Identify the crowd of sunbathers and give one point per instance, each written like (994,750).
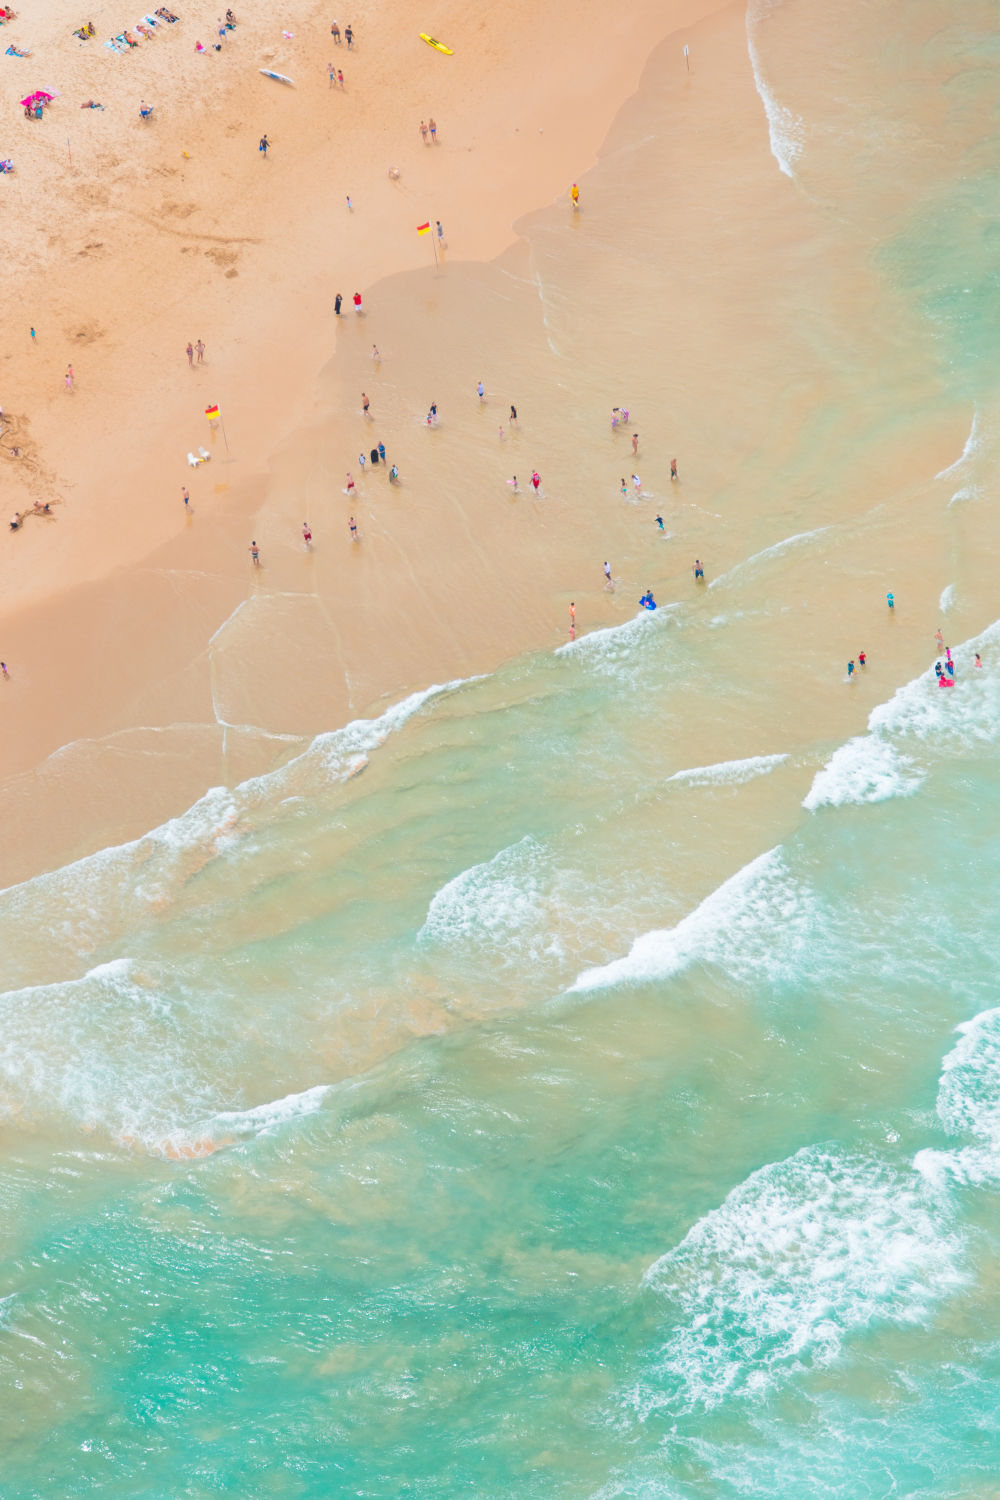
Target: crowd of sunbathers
(145,28)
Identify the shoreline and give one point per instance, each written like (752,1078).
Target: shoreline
(236,668)
(72,585)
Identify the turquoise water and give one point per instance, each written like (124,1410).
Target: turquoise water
(513,1096)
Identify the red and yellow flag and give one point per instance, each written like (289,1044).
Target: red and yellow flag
(212,413)
(424,228)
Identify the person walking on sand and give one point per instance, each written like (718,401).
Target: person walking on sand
(357,296)
(186,497)
(481,391)
(513,413)
(572,616)
(350,484)
(335,33)
(200,348)
(34,335)
(264,144)
(376,356)
(190,354)
(513,484)
(255,554)
(699,571)
(607,575)
(381,453)
(353,528)
(850,670)
(635,444)
(365,403)
(423,131)
(6,674)
(659,522)
(862,659)
(890,599)
(433,129)
(69,378)
(673,468)
(440,233)
(624,488)
(536,479)
(939,638)
(337,301)
(349,37)
(307,535)
(574,194)
(332,73)
(637,483)
(340,78)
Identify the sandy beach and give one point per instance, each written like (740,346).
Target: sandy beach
(148,657)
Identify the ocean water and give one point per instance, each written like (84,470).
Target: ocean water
(581,1080)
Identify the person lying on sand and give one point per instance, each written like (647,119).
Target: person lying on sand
(91,104)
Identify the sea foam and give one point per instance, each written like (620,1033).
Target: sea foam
(499,905)
(786,129)
(802,1254)
(734,927)
(866,769)
(729,772)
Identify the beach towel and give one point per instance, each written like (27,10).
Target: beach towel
(13,52)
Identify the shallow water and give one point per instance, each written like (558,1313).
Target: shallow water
(581,1080)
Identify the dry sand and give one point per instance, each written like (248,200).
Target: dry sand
(149,659)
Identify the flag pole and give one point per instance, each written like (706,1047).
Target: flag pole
(224,437)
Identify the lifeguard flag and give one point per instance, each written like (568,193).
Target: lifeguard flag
(212,413)
(424,228)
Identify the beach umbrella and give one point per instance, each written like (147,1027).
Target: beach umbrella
(38,97)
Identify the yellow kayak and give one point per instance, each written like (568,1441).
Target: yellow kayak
(432,41)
